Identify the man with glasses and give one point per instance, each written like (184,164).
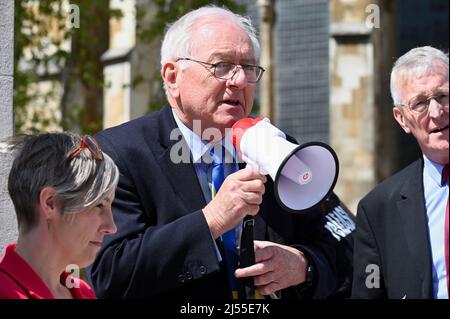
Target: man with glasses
(401,241)
(172,223)
(226,70)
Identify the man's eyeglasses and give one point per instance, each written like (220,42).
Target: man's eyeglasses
(89,143)
(420,103)
(226,70)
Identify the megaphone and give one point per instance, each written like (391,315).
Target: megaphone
(303,175)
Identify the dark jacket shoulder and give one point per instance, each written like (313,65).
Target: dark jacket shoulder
(121,133)
(390,188)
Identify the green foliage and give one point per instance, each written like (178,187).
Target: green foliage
(46,49)
(32,51)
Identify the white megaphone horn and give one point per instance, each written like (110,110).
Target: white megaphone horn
(303,175)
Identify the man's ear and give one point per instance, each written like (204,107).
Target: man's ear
(400,118)
(48,203)
(169,74)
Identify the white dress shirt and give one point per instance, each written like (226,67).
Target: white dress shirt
(436,196)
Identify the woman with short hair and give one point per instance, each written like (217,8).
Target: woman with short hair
(62,188)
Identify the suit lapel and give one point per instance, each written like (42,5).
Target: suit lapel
(182,175)
(411,206)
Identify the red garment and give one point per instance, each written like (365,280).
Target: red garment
(446,239)
(19,281)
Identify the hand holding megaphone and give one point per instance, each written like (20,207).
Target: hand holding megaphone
(240,195)
(303,174)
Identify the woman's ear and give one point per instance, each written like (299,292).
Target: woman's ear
(169,73)
(401,119)
(48,203)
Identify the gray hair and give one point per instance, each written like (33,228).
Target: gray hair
(418,62)
(178,40)
(43,160)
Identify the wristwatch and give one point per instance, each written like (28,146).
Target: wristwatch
(306,288)
(309,278)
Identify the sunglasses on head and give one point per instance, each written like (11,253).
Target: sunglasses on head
(89,143)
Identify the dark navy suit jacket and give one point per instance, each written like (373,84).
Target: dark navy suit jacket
(392,253)
(163,246)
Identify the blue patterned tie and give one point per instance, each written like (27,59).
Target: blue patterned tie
(228,238)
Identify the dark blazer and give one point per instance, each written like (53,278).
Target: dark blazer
(392,233)
(163,246)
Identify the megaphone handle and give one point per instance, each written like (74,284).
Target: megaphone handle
(247,254)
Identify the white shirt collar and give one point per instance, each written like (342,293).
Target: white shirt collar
(433,170)
(197,146)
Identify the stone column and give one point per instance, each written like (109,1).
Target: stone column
(130,64)
(352,116)
(267,92)
(8,224)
